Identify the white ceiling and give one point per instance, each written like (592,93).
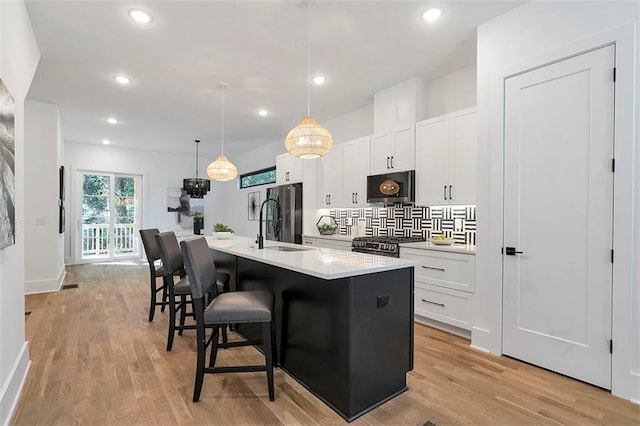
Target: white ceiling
(258,47)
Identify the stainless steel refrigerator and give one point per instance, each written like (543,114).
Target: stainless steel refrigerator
(284,222)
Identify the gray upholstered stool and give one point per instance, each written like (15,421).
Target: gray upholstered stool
(180,292)
(153,253)
(227,308)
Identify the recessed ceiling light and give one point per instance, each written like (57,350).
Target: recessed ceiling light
(263,112)
(122,79)
(140,16)
(106,141)
(319,79)
(431,15)
(112,120)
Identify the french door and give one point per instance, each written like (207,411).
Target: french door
(558,216)
(110,216)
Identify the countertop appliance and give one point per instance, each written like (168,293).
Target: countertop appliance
(284,223)
(382,245)
(392,188)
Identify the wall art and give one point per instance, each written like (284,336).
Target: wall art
(7,168)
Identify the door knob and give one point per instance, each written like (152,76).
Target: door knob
(511,251)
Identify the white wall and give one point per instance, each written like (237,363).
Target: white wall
(44,261)
(533,34)
(159,171)
(19,56)
(452,92)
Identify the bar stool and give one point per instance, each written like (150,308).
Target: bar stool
(180,292)
(153,254)
(228,308)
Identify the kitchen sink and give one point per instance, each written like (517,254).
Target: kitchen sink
(286,248)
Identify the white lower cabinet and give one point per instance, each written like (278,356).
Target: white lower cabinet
(327,243)
(444,288)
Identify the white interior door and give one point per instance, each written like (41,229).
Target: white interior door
(558,211)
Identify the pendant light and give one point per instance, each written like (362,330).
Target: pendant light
(222,169)
(308,139)
(196,187)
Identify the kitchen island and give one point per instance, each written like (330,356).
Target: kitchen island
(344,320)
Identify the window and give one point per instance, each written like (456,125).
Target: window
(259,177)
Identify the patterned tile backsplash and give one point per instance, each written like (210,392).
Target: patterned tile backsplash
(458,222)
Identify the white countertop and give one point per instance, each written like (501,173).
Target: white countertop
(334,237)
(455,248)
(323,263)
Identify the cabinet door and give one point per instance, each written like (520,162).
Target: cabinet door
(403,153)
(330,178)
(355,169)
(288,169)
(462,152)
(380,153)
(432,161)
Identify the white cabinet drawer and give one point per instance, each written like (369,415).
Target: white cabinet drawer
(306,241)
(444,305)
(451,270)
(336,245)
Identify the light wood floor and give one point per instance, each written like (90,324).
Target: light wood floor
(97,360)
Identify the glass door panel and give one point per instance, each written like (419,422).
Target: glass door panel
(96,216)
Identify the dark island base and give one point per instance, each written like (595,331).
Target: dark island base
(349,341)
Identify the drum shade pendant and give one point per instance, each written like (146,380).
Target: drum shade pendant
(308,139)
(222,169)
(196,187)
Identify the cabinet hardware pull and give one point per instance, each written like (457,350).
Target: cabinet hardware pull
(392,161)
(433,267)
(433,303)
(450,195)
(444,193)
(356,198)
(388,163)
(329,199)
(326,199)
(511,251)
(353,198)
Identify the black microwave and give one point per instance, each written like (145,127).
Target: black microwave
(392,188)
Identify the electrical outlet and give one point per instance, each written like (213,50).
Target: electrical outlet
(383,301)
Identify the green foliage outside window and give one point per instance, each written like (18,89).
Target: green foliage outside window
(259,177)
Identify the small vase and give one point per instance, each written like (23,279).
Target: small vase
(198,223)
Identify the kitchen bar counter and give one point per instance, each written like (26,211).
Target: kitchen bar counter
(343,320)
(323,263)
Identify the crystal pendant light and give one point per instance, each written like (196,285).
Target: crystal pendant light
(196,187)
(222,169)
(308,139)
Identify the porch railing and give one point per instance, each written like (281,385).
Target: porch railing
(95,240)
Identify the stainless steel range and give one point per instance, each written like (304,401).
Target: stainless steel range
(382,246)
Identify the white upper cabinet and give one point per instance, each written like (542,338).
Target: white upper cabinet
(330,178)
(393,151)
(288,169)
(355,169)
(446,159)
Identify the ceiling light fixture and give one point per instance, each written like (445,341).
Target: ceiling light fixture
(106,142)
(112,120)
(122,79)
(263,112)
(140,16)
(196,187)
(222,169)
(319,80)
(308,139)
(431,15)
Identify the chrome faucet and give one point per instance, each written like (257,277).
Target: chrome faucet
(260,239)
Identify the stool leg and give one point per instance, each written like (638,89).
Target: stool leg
(268,355)
(183,313)
(214,346)
(152,305)
(172,324)
(202,351)
(164,293)
(224,336)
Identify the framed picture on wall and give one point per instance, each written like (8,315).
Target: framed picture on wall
(61,218)
(253,199)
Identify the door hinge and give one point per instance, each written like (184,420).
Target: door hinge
(611,255)
(613,164)
(614,74)
(611,346)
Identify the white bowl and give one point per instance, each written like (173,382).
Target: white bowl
(222,235)
(438,242)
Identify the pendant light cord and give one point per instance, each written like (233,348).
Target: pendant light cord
(222,135)
(308,59)
(197,143)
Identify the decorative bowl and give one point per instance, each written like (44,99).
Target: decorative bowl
(444,242)
(222,235)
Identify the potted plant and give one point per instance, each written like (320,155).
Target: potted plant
(222,231)
(198,222)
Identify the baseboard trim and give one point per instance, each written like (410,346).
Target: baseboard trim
(443,326)
(481,339)
(46,286)
(11,391)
